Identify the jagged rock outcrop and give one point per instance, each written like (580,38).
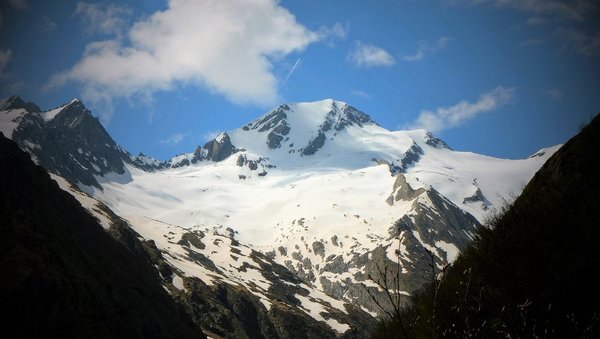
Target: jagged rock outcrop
(220,148)
(70,142)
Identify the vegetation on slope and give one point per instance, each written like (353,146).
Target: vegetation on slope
(531,272)
(63,276)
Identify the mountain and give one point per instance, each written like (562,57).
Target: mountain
(529,274)
(67,140)
(63,276)
(305,211)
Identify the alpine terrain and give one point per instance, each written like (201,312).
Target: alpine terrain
(310,221)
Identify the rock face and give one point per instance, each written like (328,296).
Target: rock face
(219,149)
(278,125)
(530,270)
(433,225)
(63,275)
(68,141)
(15,102)
(275,123)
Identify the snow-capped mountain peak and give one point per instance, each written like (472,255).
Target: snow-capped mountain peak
(74,105)
(15,102)
(314,189)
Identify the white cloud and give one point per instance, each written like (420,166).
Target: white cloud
(227,47)
(5,56)
(448,117)
(19,4)
(425,47)
(210,135)
(336,31)
(365,55)
(174,139)
(103,18)
(361,94)
(333,33)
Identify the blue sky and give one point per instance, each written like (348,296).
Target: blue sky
(497,77)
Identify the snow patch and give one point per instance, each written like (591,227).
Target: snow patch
(10,120)
(451,250)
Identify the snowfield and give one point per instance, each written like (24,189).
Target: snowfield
(318,188)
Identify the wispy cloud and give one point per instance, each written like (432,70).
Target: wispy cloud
(19,4)
(361,94)
(449,117)
(425,48)
(225,47)
(532,42)
(5,56)
(332,33)
(210,135)
(536,20)
(555,94)
(103,18)
(291,71)
(10,83)
(583,43)
(366,55)
(45,24)
(575,10)
(174,139)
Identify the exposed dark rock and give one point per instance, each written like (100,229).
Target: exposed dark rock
(241,160)
(334,240)
(221,149)
(74,145)
(148,164)
(15,102)
(403,190)
(393,168)
(273,119)
(314,145)
(277,135)
(352,116)
(477,197)
(318,248)
(193,239)
(411,156)
(436,142)
(252,165)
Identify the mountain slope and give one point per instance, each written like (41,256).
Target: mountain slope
(67,140)
(531,273)
(317,192)
(327,210)
(63,275)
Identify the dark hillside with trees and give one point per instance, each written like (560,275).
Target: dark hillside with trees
(63,276)
(532,272)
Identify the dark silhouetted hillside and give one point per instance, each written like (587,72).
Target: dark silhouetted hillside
(63,276)
(532,272)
